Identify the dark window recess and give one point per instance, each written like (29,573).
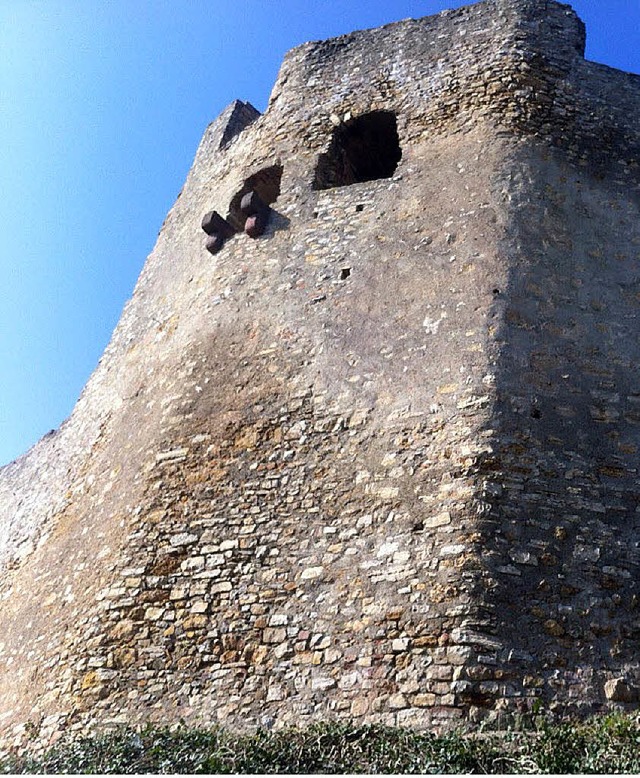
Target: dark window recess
(362,149)
(266,183)
(345,272)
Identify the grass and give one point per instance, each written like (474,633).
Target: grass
(609,744)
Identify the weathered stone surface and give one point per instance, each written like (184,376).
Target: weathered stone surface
(407,493)
(619,690)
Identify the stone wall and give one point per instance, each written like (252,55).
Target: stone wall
(379,463)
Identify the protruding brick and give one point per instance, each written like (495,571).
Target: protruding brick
(214,224)
(214,243)
(252,204)
(255,226)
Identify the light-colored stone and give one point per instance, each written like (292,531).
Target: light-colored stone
(277,635)
(174,455)
(153,614)
(397,701)
(322,683)
(424,700)
(312,573)
(441,520)
(183,539)
(619,690)
(276,693)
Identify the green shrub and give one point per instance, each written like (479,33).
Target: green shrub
(605,745)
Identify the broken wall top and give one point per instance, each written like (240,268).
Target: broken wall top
(519,62)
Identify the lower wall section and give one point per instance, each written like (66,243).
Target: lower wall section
(306,565)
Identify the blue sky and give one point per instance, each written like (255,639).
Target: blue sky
(102,105)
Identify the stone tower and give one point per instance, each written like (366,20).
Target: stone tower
(375,454)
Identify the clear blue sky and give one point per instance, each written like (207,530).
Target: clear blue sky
(102,105)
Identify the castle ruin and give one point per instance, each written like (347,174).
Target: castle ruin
(373,455)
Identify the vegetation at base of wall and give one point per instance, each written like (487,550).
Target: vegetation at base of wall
(608,744)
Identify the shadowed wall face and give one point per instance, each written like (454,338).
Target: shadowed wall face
(562,535)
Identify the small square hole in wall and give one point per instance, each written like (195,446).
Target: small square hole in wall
(359,208)
(345,272)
